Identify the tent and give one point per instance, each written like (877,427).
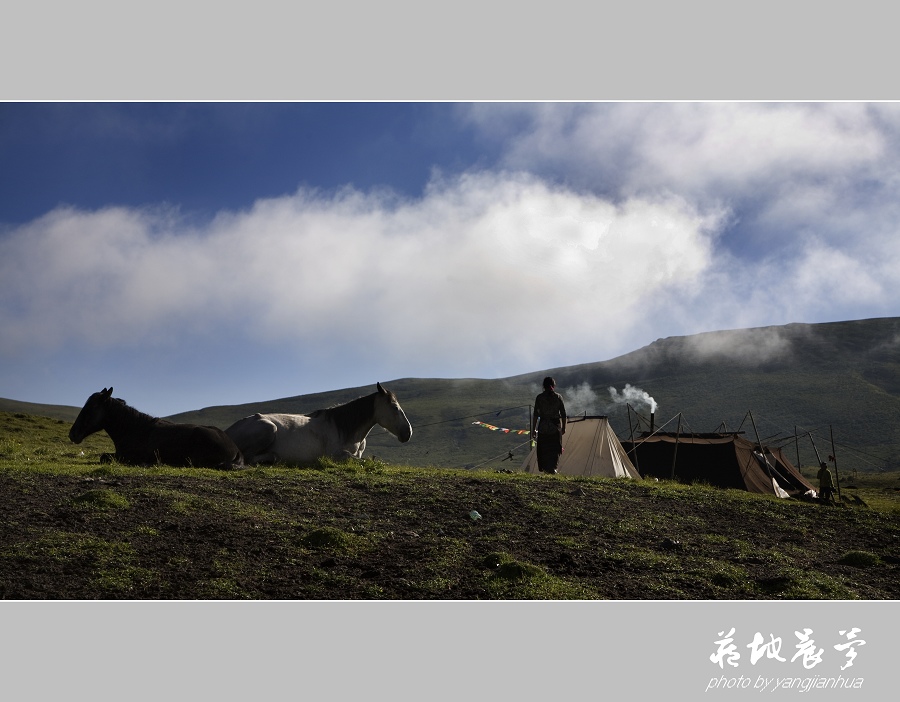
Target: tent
(721,459)
(590,448)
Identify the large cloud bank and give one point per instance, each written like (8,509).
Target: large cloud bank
(601,228)
(484,266)
(812,193)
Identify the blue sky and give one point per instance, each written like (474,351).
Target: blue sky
(193,254)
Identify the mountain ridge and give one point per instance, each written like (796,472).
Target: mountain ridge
(833,379)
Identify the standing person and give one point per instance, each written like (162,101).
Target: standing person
(550,411)
(826,484)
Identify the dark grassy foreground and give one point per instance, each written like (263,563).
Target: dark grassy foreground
(72,529)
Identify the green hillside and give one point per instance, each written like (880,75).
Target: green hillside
(62,412)
(73,529)
(838,379)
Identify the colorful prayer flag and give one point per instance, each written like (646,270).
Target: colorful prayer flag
(503,429)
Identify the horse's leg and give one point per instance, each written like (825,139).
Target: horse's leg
(254,437)
(212,447)
(268,457)
(125,459)
(230,465)
(346,456)
(348,453)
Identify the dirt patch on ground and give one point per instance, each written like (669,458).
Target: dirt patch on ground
(425,535)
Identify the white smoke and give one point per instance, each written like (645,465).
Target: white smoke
(581,400)
(634,396)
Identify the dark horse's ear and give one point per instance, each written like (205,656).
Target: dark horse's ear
(107,393)
(381,389)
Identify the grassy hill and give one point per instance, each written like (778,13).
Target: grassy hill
(61,412)
(73,529)
(839,379)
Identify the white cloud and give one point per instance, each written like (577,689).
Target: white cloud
(691,148)
(808,194)
(749,347)
(493,268)
(614,224)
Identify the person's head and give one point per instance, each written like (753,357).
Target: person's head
(822,465)
(549,383)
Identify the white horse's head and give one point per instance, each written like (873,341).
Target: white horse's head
(390,415)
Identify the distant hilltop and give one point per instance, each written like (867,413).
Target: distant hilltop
(840,379)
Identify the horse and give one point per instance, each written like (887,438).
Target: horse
(337,432)
(144,440)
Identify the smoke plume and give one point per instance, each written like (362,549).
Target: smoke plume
(634,395)
(581,400)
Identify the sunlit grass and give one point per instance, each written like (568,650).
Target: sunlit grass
(322,528)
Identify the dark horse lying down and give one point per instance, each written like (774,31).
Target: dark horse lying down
(144,440)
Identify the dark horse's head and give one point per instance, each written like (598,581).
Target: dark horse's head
(92,416)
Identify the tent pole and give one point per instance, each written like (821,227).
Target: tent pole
(837,477)
(633,445)
(762,451)
(530,424)
(818,457)
(675,452)
(797,446)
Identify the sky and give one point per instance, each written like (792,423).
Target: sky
(198,254)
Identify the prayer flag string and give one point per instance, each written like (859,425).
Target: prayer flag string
(502,429)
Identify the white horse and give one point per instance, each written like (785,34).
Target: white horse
(338,432)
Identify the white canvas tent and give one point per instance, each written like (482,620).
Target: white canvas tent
(591,449)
